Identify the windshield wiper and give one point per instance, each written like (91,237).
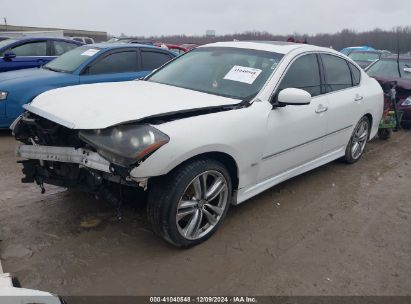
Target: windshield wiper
(51,69)
(47,68)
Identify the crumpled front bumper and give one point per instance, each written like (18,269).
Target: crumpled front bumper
(72,168)
(83,157)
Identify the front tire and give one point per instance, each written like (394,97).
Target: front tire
(384,134)
(187,206)
(358,141)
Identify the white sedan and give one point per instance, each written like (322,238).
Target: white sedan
(210,129)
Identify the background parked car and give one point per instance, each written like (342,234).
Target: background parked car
(86,64)
(129,40)
(172,47)
(385,52)
(120,39)
(24,53)
(404,105)
(386,70)
(85,40)
(189,46)
(348,50)
(138,41)
(365,58)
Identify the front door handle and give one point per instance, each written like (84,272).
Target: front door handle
(321,109)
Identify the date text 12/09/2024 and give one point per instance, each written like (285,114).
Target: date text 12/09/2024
(200,299)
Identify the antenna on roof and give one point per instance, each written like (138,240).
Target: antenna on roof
(398,53)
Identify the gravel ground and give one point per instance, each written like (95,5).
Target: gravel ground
(338,230)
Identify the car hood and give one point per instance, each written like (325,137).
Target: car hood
(98,106)
(402,83)
(28,76)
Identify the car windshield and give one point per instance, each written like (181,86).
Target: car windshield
(230,72)
(70,61)
(364,56)
(389,69)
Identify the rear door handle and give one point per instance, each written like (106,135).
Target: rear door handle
(321,109)
(358,97)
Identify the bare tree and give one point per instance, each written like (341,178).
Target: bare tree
(399,36)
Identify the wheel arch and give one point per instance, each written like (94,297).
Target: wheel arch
(227,160)
(370,118)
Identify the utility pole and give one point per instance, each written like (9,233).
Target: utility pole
(5,22)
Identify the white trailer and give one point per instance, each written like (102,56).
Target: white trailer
(47,34)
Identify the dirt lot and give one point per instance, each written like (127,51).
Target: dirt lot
(338,230)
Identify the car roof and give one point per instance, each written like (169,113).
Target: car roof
(41,38)
(280,47)
(17,40)
(105,45)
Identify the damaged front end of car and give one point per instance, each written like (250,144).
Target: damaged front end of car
(89,160)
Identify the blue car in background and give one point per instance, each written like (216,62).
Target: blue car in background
(86,64)
(347,51)
(25,53)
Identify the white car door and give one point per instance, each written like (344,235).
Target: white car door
(295,134)
(344,100)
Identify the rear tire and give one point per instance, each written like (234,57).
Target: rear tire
(358,141)
(187,206)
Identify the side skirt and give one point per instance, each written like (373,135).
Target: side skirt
(247,193)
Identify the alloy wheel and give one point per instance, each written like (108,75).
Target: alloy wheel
(359,139)
(202,205)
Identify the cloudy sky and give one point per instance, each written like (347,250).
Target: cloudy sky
(157,17)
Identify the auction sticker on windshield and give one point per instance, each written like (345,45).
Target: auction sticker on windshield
(243,74)
(90,52)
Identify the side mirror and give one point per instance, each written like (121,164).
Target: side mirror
(292,96)
(9,55)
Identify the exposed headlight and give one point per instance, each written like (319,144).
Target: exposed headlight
(125,145)
(407,102)
(3,95)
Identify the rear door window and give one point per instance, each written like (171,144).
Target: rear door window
(61,47)
(356,74)
(337,73)
(304,73)
(151,60)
